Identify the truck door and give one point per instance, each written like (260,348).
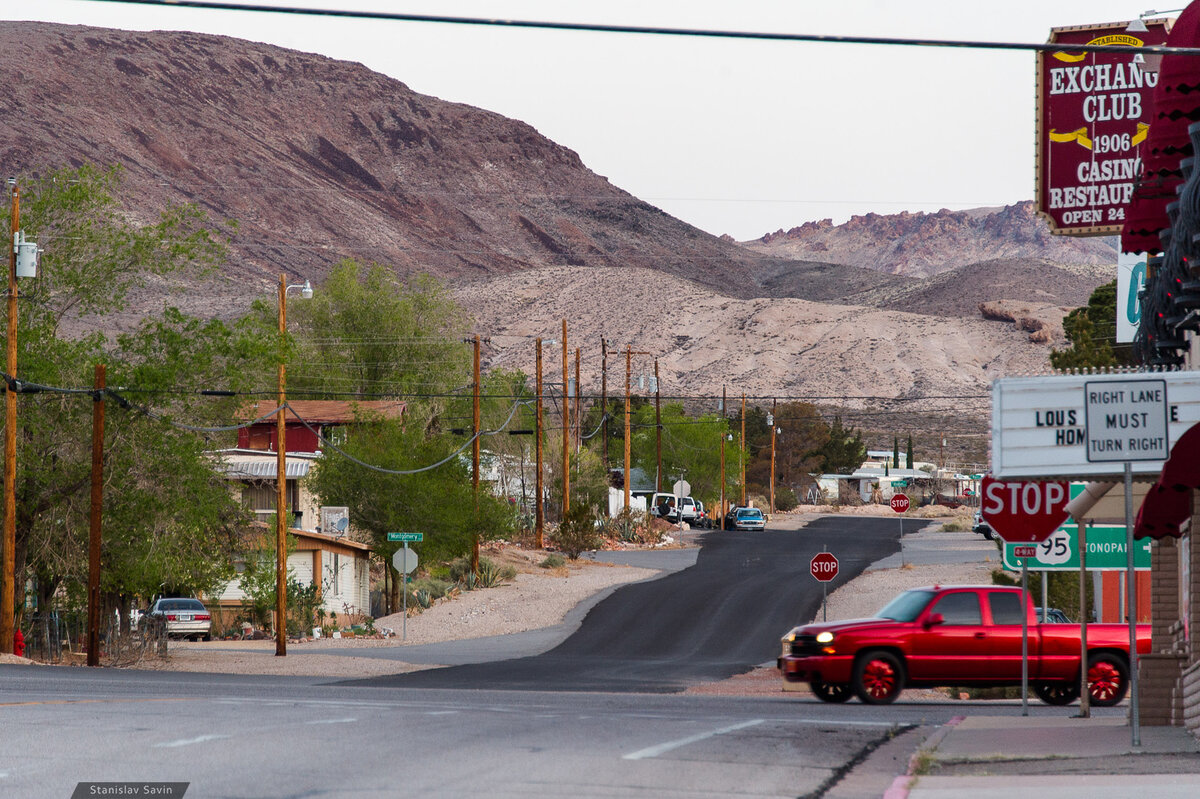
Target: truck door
(956,649)
(1004,635)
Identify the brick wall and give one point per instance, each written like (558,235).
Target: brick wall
(1160,695)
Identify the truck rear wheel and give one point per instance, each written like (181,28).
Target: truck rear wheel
(1056,693)
(878,677)
(1108,679)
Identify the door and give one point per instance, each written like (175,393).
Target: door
(955,650)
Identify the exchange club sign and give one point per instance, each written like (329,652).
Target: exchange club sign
(1093,115)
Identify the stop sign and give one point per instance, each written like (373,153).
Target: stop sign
(824,566)
(1024,512)
(900,503)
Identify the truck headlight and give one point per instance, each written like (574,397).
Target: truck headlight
(789,638)
(825,637)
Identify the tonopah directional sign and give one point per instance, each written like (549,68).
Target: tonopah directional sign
(1106,551)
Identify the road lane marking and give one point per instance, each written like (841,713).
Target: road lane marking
(655,751)
(91,701)
(189,741)
(332,721)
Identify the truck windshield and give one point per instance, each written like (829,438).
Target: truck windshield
(905,607)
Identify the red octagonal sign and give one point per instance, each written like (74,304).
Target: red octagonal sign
(900,503)
(824,566)
(1024,512)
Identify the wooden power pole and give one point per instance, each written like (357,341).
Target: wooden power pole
(474,463)
(97,504)
(743,449)
(657,432)
(539,514)
(8,591)
(566,423)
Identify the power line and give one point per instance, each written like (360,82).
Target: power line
(593,27)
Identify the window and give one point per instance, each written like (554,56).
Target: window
(959,608)
(260,496)
(1006,607)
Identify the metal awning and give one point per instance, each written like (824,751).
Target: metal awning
(261,469)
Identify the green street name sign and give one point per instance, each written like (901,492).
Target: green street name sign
(406,537)
(1060,552)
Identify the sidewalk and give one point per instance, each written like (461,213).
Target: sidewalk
(999,756)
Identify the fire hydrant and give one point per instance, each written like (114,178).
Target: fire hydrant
(18,643)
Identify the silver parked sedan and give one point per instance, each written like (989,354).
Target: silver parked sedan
(184,617)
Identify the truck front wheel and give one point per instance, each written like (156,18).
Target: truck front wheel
(830,691)
(878,677)
(1107,678)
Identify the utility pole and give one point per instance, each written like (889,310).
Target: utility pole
(566,422)
(281,486)
(629,353)
(474,468)
(743,448)
(539,516)
(97,503)
(9,590)
(724,509)
(604,398)
(657,432)
(578,405)
(628,375)
(774,404)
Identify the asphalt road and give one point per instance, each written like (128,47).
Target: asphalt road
(260,736)
(720,617)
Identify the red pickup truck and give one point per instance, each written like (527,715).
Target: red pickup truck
(955,636)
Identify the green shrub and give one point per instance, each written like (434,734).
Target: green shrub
(577,533)
(785,499)
(553,561)
(954,527)
(490,575)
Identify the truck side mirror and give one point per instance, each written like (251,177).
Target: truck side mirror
(934,620)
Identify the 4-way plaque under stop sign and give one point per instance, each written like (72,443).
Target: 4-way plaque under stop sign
(824,566)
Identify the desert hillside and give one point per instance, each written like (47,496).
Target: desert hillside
(320,160)
(835,354)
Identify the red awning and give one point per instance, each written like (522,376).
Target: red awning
(1168,504)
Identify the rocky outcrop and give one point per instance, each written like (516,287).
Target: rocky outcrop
(922,245)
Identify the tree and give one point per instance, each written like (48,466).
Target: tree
(169,520)
(365,333)
(691,449)
(1092,331)
(797,447)
(845,451)
(908,454)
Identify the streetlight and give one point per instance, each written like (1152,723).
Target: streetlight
(306,292)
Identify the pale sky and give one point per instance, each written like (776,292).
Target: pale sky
(738,137)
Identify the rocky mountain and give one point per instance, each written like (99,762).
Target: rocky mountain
(319,160)
(922,245)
